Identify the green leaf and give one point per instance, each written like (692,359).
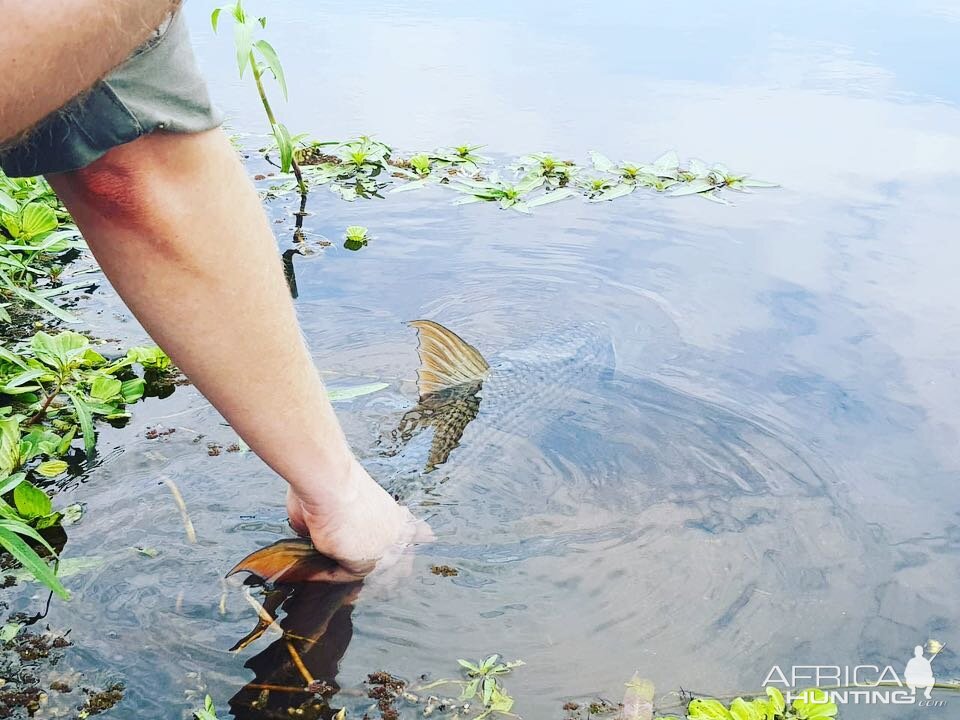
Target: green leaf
(16,383)
(470,690)
(105,388)
(273,62)
(551,197)
(150,357)
(348,393)
(740,709)
(10,482)
(12,358)
(707,709)
(36,219)
(71,514)
(693,187)
(500,701)
(60,351)
(31,501)
(469,666)
(412,185)
(601,162)
(8,203)
(715,197)
(615,192)
(9,631)
(488,686)
(776,700)
(285,145)
(66,567)
(85,419)
(37,300)
(47,521)
(132,390)
(666,165)
(52,468)
(243,42)
(215,17)
(33,563)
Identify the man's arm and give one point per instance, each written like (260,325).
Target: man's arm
(179,230)
(53,50)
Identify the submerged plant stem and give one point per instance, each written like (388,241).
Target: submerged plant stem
(298,662)
(178,499)
(272,119)
(39,414)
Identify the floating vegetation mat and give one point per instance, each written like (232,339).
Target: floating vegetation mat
(368,168)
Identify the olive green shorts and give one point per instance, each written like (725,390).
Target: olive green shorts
(156,88)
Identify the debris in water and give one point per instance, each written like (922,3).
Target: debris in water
(444,570)
(638,699)
(178,499)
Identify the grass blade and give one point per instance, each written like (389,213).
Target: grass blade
(28,557)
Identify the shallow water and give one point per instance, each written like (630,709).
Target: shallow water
(758,464)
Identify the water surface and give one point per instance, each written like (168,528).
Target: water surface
(759,465)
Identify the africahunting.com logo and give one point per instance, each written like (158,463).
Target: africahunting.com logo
(863,684)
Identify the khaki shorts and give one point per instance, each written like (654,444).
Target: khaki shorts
(156,88)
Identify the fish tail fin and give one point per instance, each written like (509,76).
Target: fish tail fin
(446,359)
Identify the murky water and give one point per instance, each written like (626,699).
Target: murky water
(754,464)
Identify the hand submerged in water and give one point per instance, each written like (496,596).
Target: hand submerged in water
(361,527)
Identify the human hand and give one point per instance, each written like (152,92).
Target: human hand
(361,527)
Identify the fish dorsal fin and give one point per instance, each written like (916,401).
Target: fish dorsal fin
(446,359)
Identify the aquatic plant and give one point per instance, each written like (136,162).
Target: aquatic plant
(353,169)
(461,156)
(484,683)
(419,169)
(60,383)
(514,196)
(32,510)
(35,242)
(556,173)
(207,712)
(356,237)
(261,56)
(809,704)
(666,173)
(597,189)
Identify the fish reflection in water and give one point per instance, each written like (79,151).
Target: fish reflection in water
(298,670)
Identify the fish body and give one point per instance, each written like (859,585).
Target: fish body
(456,384)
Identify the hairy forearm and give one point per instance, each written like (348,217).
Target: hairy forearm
(53,50)
(178,229)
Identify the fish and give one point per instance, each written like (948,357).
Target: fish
(454,378)
(449,380)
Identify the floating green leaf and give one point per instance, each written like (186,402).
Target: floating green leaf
(51,468)
(31,502)
(707,709)
(349,393)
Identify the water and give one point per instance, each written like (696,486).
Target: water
(759,469)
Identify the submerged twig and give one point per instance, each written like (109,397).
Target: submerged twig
(178,499)
(298,662)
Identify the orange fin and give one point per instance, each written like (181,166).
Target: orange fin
(446,359)
(288,561)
